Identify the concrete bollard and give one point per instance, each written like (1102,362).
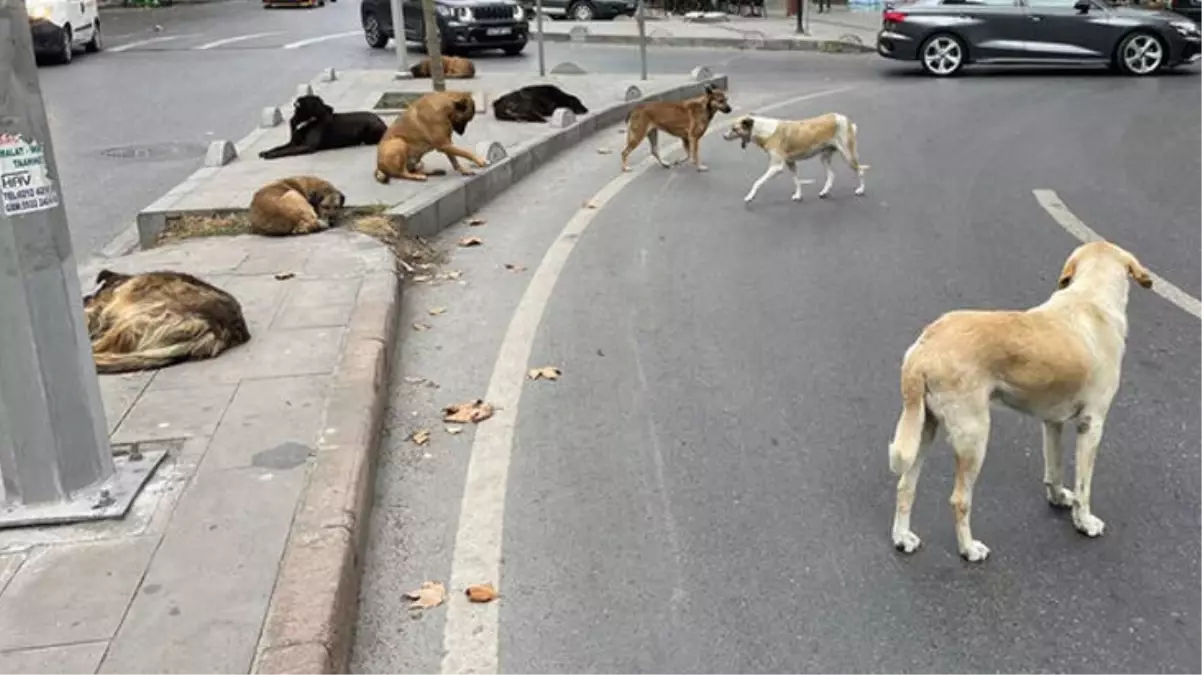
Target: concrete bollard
(304,90)
(633,93)
(220,153)
(271,117)
(329,75)
(567,68)
(701,73)
(563,118)
(491,150)
(578,34)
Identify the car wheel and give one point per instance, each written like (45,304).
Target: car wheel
(582,10)
(1140,54)
(97,42)
(515,49)
(943,55)
(66,50)
(376,39)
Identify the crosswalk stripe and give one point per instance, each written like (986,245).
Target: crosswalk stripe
(230,40)
(321,38)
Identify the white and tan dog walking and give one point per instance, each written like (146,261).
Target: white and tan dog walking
(790,141)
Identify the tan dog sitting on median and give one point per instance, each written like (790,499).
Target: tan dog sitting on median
(687,120)
(152,320)
(295,205)
(790,141)
(426,125)
(453,68)
(1060,362)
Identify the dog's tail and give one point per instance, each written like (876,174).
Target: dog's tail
(851,146)
(907,438)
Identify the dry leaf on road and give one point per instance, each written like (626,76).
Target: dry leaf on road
(515,267)
(454,431)
(590,205)
(475,222)
(284,276)
(481,593)
(604,151)
(471,241)
(421,436)
(470,412)
(544,373)
(435,311)
(419,327)
(429,596)
(415,380)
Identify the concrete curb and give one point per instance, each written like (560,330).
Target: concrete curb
(746,43)
(311,617)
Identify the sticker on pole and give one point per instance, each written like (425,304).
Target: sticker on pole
(25,185)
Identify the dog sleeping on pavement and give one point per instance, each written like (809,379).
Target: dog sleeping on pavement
(152,320)
(315,126)
(1060,362)
(790,141)
(687,120)
(453,68)
(427,125)
(535,103)
(295,205)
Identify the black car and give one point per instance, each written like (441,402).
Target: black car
(465,25)
(585,10)
(1191,9)
(946,35)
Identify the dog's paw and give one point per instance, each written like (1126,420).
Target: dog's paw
(467,172)
(1059,496)
(1088,524)
(702,167)
(322,224)
(824,194)
(796,197)
(906,542)
(975,551)
(748,198)
(625,169)
(860,191)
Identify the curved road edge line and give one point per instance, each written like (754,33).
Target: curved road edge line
(470,635)
(1052,203)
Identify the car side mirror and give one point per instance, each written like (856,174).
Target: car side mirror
(1082,6)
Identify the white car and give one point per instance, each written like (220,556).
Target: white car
(60,27)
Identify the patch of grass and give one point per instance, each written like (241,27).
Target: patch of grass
(412,252)
(194,226)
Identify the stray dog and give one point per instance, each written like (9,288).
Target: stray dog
(535,103)
(789,141)
(453,68)
(1059,362)
(427,125)
(687,120)
(294,205)
(315,126)
(152,320)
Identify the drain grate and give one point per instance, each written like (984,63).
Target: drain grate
(156,151)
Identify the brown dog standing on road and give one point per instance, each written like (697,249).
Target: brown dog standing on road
(1060,362)
(453,68)
(152,320)
(295,205)
(687,120)
(427,125)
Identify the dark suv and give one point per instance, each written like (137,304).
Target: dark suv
(465,25)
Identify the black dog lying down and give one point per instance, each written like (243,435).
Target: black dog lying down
(315,126)
(535,103)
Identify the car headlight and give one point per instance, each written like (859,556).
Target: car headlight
(518,13)
(1186,28)
(39,13)
(464,14)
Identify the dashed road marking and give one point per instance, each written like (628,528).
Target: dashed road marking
(1051,203)
(321,38)
(148,41)
(231,40)
(470,633)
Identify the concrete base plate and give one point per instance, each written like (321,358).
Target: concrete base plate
(133,465)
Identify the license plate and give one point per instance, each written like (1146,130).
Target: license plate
(498,31)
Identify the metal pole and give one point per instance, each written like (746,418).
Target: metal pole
(642,21)
(398,38)
(433,45)
(55,459)
(542,64)
(803,19)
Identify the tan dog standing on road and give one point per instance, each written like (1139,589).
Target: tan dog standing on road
(790,141)
(426,125)
(687,120)
(453,68)
(152,320)
(294,205)
(1060,362)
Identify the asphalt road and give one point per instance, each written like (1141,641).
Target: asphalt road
(706,488)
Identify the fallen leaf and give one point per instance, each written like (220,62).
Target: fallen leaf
(419,327)
(544,373)
(454,431)
(421,436)
(470,412)
(604,151)
(470,241)
(429,596)
(481,593)
(475,222)
(415,380)
(515,267)
(436,311)
(590,205)
(284,276)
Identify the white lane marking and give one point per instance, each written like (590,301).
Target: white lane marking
(148,41)
(1051,203)
(236,38)
(470,633)
(321,38)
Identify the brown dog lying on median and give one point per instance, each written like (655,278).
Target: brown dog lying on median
(294,205)
(152,320)
(427,125)
(453,68)
(687,120)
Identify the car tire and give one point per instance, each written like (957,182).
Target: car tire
(66,50)
(373,33)
(943,55)
(97,42)
(1141,54)
(582,10)
(514,50)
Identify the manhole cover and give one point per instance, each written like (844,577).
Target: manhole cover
(156,151)
(396,100)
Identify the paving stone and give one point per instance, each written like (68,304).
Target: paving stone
(9,564)
(119,393)
(260,297)
(323,302)
(205,595)
(176,413)
(270,353)
(77,658)
(271,423)
(45,603)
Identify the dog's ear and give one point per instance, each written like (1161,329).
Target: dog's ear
(104,276)
(1068,272)
(747,123)
(341,200)
(1138,272)
(709,88)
